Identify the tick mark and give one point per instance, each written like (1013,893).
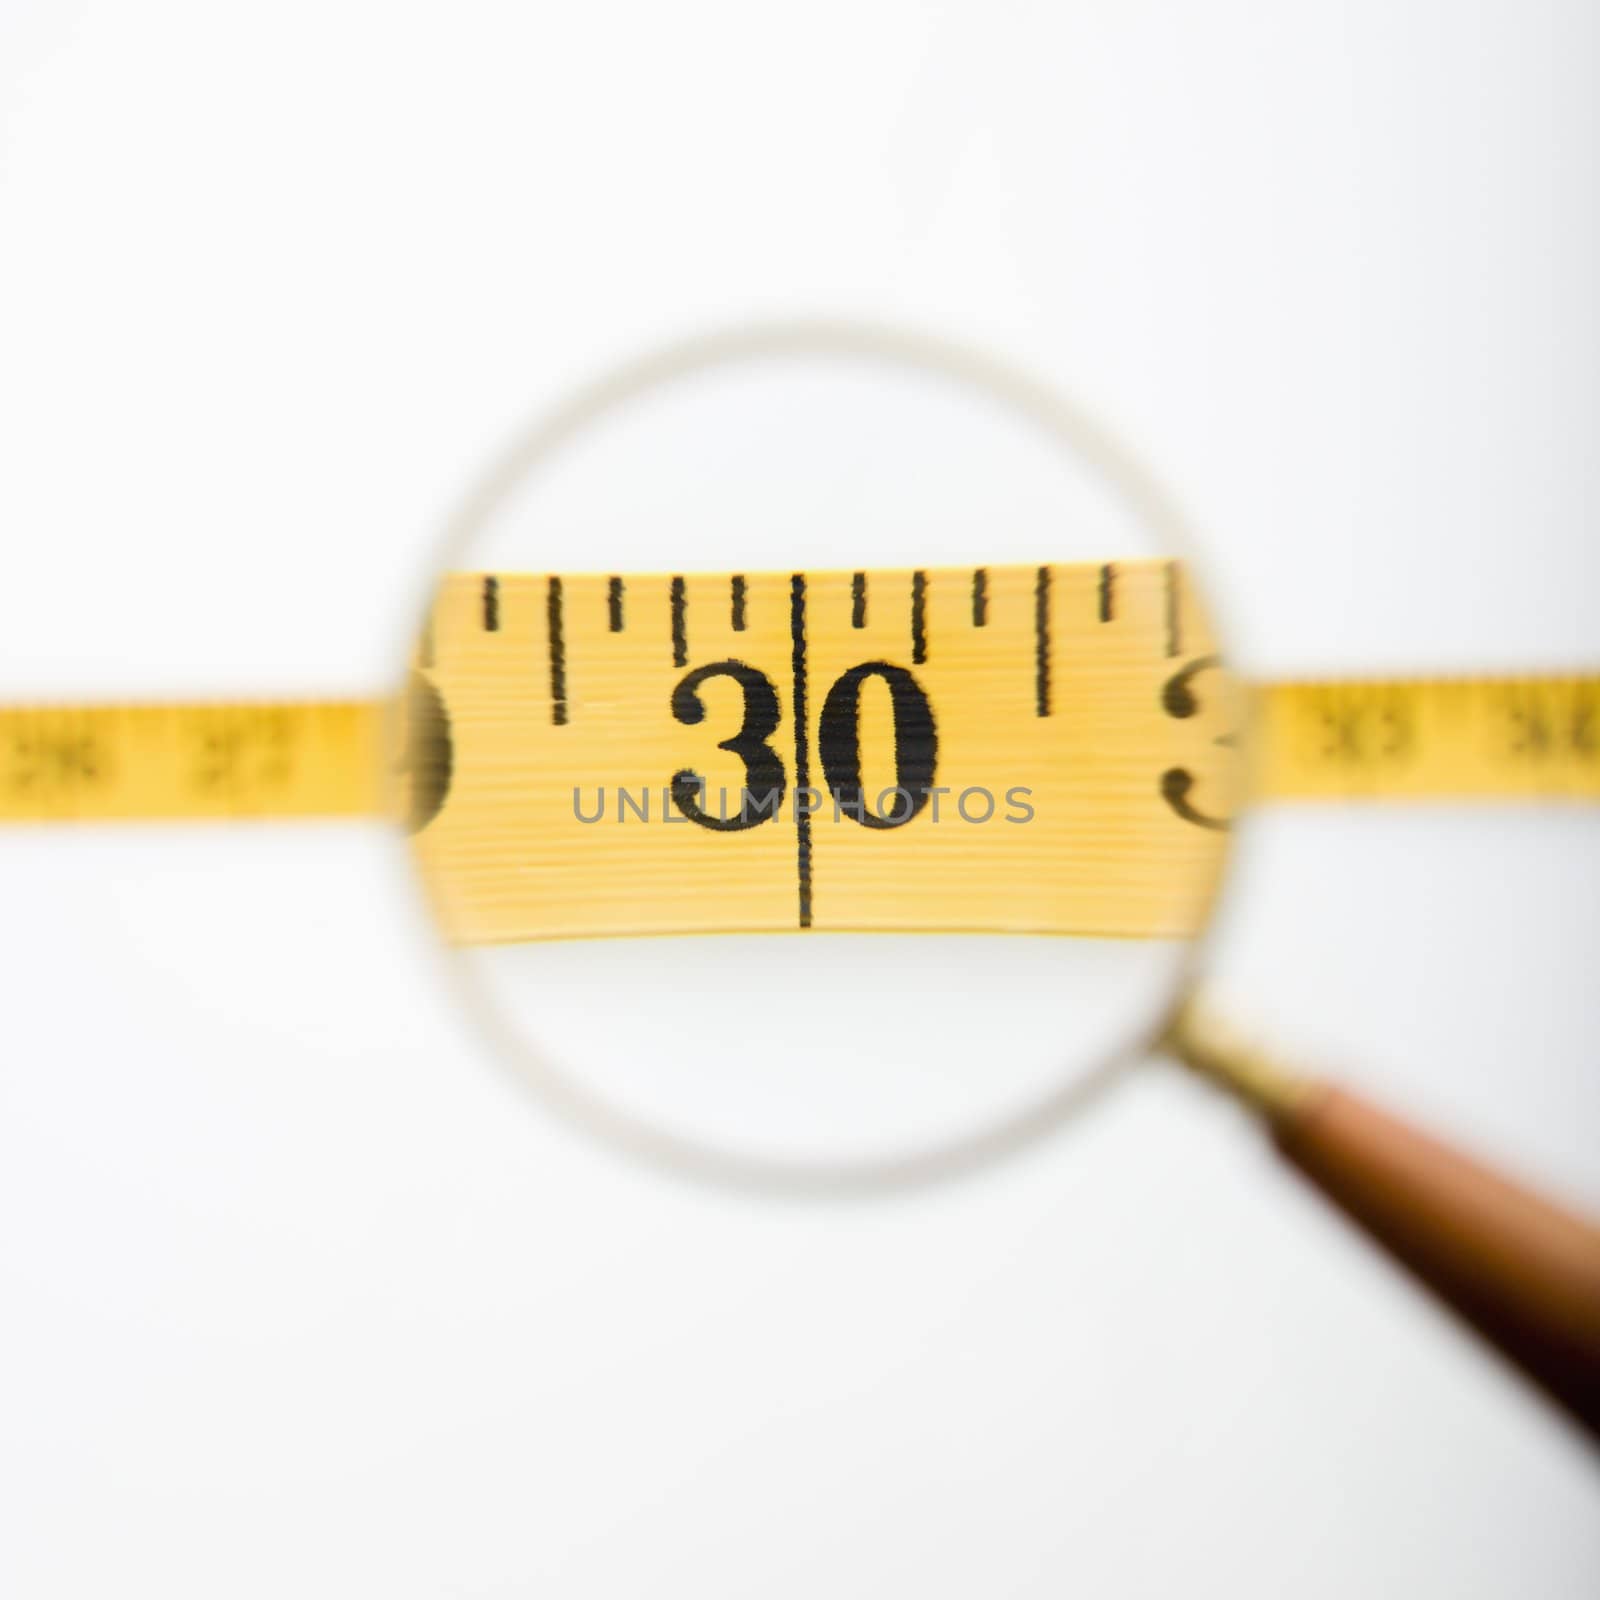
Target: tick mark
(491,605)
(738,592)
(1108,578)
(680,638)
(802,745)
(558,653)
(614,604)
(1174,641)
(980,597)
(1041,642)
(919,618)
(858,600)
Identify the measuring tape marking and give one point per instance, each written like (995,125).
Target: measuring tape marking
(1080,682)
(1043,684)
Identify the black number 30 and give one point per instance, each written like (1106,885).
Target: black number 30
(916,746)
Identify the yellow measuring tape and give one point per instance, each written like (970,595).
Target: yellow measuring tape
(1048,749)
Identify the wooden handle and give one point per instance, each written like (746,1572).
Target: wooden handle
(1522,1271)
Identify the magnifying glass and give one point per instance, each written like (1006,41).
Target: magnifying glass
(817,643)
(819,755)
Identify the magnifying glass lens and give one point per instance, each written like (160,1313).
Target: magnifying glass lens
(819,757)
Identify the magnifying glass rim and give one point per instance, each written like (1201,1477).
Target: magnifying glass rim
(1078,434)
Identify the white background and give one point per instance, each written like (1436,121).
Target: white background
(298,1292)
